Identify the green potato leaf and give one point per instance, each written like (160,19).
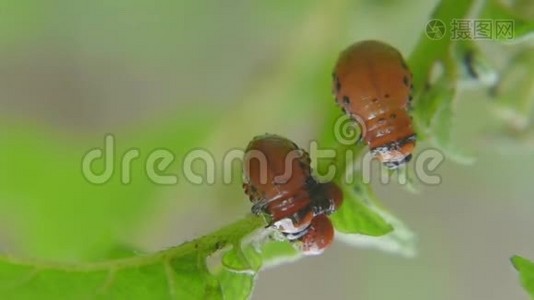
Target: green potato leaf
(526,273)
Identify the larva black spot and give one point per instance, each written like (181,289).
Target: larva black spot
(393,115)
(346,100)
(374,99)
(337,84)
(386,96)
(410,98)
(406,81)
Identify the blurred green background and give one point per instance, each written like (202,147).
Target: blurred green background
(182,75)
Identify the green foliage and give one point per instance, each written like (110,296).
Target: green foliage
(440,67)
(357,215)
(526,273)
(522,12)
(223,264)
(178,273)
(514,101)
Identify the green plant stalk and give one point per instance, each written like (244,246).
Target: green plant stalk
(428,51)
(206,245)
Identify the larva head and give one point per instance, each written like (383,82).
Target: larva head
(319,236)
(395,154)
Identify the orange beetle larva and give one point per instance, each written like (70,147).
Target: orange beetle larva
(279,183)
(373,85)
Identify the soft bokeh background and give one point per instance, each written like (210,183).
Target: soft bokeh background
(182,75)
